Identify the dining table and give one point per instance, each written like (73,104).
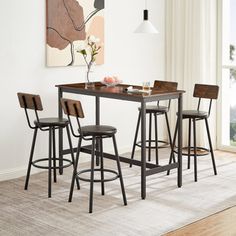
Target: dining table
(124,93)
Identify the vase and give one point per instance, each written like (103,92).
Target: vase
(89,79)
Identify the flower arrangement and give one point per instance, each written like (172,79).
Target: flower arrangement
(89,52)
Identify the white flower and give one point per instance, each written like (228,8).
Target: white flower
(80,48)
(93,39)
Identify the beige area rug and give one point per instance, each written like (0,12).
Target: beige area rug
(165,209)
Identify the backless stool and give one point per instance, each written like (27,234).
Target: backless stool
(94,133)
(33,102)
(154,111)
(201,91)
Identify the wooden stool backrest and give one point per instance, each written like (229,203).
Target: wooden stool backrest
(30,101)
(205,91)
(73,108)
(165,86)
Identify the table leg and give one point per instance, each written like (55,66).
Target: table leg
(97,111)
(60,144)
(143,150)
(180,108)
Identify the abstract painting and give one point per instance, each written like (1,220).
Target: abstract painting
(68,24)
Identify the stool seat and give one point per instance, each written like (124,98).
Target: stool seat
(97,130)
(155,109)
(194,114)
(46,122)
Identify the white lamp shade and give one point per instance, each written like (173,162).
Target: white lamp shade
(146,27)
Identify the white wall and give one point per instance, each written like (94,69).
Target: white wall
(22,58)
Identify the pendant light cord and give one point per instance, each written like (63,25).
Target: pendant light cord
(145,4)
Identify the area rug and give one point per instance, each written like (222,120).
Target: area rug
(165,209)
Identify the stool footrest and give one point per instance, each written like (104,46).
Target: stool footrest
(52,167)
(164,144)
(98,180)
(200,151)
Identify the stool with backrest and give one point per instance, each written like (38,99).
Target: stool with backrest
(94,133)
(201,91)
(33,102)
(155,110)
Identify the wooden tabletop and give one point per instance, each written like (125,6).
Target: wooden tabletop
(120,92)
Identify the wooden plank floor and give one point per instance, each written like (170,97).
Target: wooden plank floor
(219,224)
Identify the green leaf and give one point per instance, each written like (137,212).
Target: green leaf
(83,52)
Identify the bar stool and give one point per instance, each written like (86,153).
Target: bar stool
(201,91)
(155,111)
(33,102)
(94,133)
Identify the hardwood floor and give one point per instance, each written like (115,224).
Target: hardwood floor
(219,224)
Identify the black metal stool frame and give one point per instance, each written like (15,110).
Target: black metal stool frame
(155,111)
(33,102)
(201,91)
(74,108)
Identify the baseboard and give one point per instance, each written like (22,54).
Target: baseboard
(15,173)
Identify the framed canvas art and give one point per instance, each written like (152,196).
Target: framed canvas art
(68,25)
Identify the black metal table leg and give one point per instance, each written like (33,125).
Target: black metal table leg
(195,150)
(102,168)
(143,150)
(97,111)
(50,163)
(54,155)
(156,139)
(60,145)
(92,177)
(180,109)
(189,142)
(150,137)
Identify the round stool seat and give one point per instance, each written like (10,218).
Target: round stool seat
(46,122)
(98,130)
(194,114)
(155,109)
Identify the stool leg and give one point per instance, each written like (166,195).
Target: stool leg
(172,154)
(31,158)
(150,137)
(189,141)
(102,172)
(168,131)
(135,138)
(156,139)
(74,175)
(119,170)
(92,177)
(195,150)
(54,156)
(50,163)
(211,148)
(97,149)
(72,153)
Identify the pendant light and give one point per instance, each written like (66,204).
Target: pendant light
(146,26)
